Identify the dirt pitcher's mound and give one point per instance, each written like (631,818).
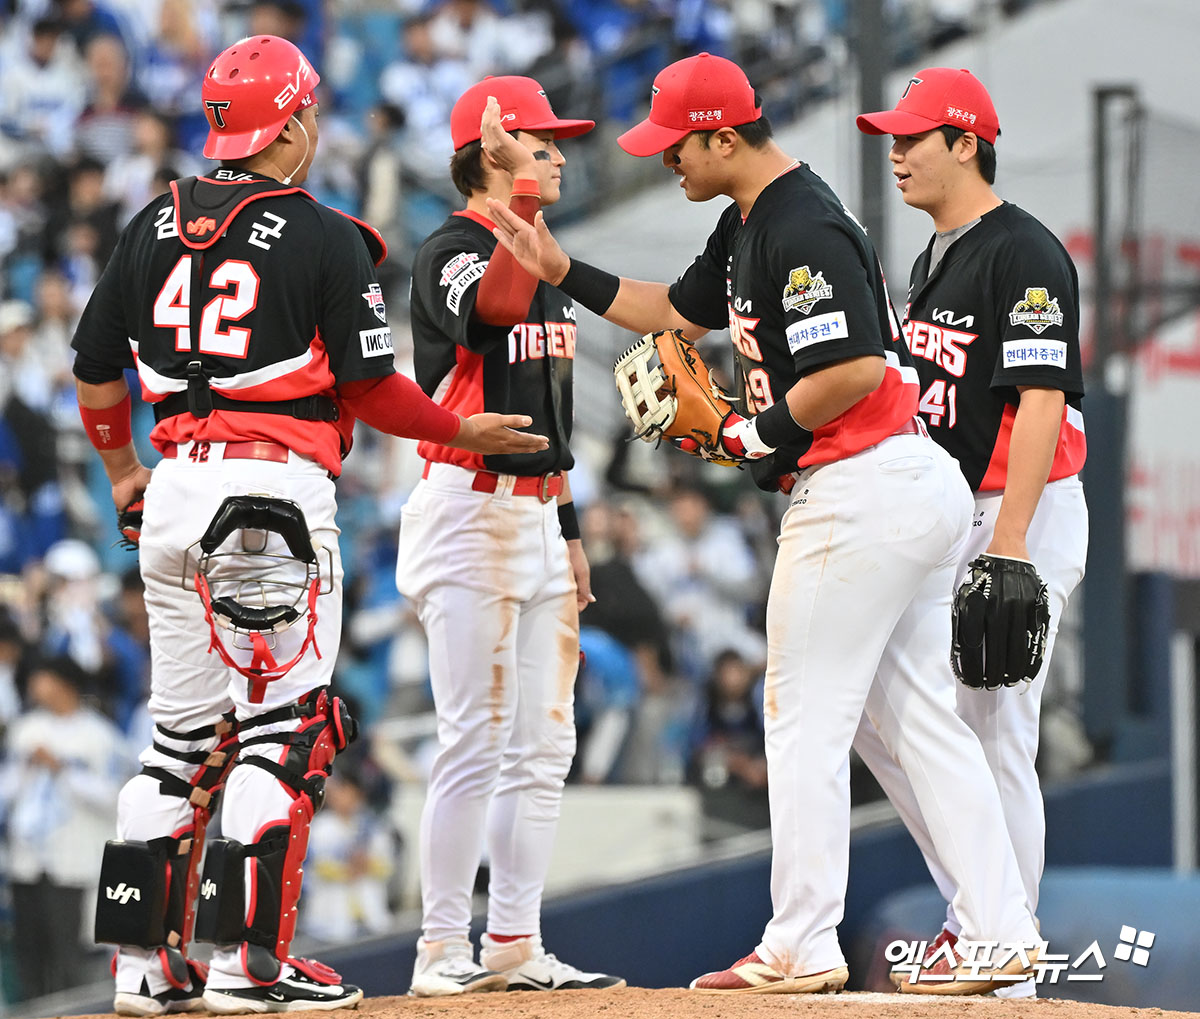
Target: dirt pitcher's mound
(639,1003)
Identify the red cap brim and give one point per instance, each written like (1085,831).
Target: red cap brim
(895,122)
(567,128)
(561,128)
(649,138)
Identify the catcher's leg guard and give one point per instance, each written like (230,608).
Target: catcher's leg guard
(148,888)
(256,906)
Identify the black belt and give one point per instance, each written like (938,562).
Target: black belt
(199,400)
(310,408)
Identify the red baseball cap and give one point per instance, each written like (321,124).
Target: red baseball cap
(936,96)
(523,107)
(700,93)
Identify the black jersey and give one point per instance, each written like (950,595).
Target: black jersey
(1000,311)
(280,290)
(799,285)
(469,366)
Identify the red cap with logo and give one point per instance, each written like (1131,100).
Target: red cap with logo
(937,96)
(700,93)
(523,107)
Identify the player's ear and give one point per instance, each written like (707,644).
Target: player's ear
(727,139)
(967,146)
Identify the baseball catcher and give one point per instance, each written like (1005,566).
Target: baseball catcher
(668,391)
(1001,619)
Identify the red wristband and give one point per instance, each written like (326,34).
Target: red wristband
(526,186)
(108,428)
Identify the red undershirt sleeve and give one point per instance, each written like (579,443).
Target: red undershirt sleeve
(396,405)
(505,289)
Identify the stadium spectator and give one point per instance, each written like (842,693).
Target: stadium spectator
(42,91)
(349,862)
(104,130)
(58,791)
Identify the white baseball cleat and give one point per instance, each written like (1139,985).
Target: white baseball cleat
(448,967)
(529,967)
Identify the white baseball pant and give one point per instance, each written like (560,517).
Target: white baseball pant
(858,618)
(1006,720)
(190,687)
(489,577)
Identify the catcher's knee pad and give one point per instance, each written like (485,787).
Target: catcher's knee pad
(259,910)
(148,889)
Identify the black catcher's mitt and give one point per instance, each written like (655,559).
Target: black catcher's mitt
(129,523)
(1001,619)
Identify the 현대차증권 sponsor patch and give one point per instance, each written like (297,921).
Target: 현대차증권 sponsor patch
(817,330)
(1030,353)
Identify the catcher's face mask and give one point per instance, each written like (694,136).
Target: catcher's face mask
(257,573)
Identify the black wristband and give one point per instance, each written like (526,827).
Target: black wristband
(568,521)
(594,288)
(776,426)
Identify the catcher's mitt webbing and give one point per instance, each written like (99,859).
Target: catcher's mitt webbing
(1001,619)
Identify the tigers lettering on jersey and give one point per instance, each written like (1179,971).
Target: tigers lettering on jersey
(530,341)
(940,344)
(469,366)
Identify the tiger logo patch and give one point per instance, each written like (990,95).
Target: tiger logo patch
(804,289)
(1038,311)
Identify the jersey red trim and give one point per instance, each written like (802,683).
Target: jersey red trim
(464,396)
(1069,454)
(871,420)
(478,217)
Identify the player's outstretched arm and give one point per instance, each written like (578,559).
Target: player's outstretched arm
(497,433)
(638,305)
(396,405)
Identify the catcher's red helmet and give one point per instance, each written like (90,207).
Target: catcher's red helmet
(250,91)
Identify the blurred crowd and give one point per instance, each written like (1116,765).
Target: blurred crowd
(99,110)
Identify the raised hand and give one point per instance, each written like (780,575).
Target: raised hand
(496,433)
(502,149)
(532,244)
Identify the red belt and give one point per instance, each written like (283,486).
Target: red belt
(255,449)
(544,486)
